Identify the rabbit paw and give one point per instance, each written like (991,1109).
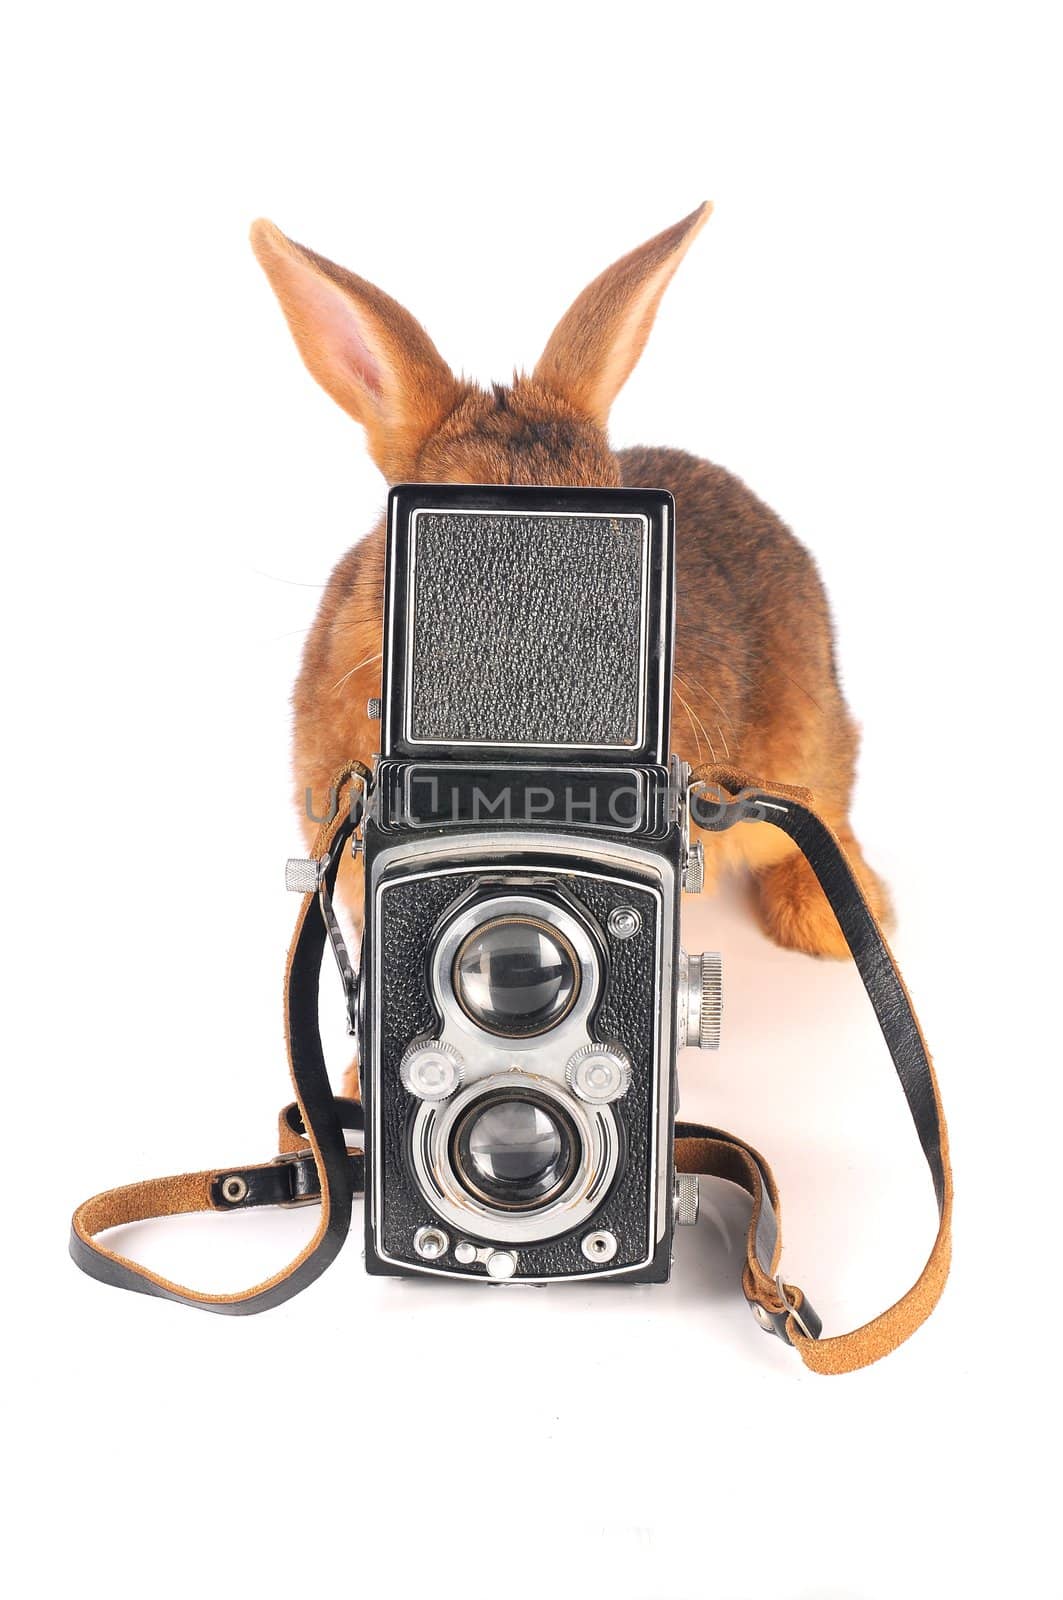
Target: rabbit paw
(352,1089)
(797,914)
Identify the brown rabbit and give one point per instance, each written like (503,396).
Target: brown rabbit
(756,684)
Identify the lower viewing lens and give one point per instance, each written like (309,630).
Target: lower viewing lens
(515,1151)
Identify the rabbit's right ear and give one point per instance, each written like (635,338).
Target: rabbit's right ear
(592,350)
(369,354)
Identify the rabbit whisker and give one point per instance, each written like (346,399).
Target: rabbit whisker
(357,668)
(748,677)
(719,707)
(695,683)
(708,741)
(692,716)
(690,719)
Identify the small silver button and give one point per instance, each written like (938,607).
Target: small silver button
(431,1243)
(599,1246)
(501,1264)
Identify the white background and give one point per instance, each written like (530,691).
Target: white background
(868,332)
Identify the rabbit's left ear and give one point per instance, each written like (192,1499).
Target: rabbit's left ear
(364,349)
(596,344)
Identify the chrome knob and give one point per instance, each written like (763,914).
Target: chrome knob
(598,1073)
(373,709)
(431,1069)
(687,1198)
(700,999)
(694,869)
(302,874)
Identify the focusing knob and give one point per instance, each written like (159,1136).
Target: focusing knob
(598,1073)
(700,999)
(431,1069)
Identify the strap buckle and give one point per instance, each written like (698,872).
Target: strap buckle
(356,810)
(808,1323)
(793,1311)
(295,1159)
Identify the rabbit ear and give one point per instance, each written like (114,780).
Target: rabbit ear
(592,350)
(370,355)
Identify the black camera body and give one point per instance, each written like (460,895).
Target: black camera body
(523,993)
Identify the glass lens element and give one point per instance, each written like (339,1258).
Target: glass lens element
(515,1151)
(514,1142)
(516,976)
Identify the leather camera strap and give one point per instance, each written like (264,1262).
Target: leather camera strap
(314,1164)
(728,797)
(316,1114)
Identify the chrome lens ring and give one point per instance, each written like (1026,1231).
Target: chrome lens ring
(586,1180)
(571,939)
(515,1151)
(516,976)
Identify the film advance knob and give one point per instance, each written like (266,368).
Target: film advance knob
(700,1000)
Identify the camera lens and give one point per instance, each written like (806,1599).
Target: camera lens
(516,976)
(515,1151)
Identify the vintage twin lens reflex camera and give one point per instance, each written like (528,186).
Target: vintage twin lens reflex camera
(523,992)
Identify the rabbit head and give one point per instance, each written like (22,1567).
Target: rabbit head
(424,424)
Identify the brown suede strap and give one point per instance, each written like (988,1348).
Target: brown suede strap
(315,1164)
(731,797)
(229,1189)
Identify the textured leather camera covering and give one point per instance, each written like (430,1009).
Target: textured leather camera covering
(627,1014)
(527,628)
